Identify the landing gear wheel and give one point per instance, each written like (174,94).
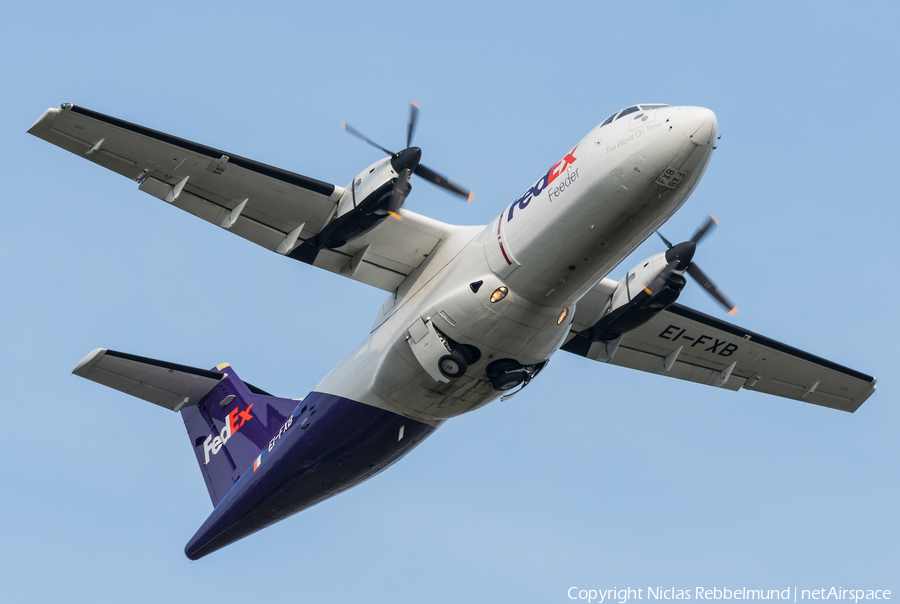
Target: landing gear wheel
(508,381)
(453,365)
(470,353)
(501,366)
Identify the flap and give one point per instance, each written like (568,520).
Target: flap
(689,345)
(165,384)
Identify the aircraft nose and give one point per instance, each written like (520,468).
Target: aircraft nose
(699,125)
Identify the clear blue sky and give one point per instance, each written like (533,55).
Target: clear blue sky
(595,476)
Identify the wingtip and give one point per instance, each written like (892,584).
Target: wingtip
(713,216)
(733,311)
(83,367)
(471,197)
(343,125)
(414,104)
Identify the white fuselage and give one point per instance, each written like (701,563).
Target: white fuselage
(549,248)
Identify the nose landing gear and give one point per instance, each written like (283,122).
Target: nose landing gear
(453,365)
(459,357)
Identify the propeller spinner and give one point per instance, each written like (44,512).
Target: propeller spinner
(406,163)
(682,255)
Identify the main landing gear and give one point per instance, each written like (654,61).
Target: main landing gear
(506,374)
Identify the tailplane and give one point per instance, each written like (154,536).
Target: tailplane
(230,423)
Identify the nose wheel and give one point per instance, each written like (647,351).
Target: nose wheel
(453,365)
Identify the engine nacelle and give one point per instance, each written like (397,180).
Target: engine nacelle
(362,205)
(645,290)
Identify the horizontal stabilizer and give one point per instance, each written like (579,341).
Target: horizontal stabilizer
(230,423)
(165,384)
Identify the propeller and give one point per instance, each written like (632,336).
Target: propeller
(682,255)
(413,115)
(406,163)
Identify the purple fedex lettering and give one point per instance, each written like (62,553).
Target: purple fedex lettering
(521,202)
(538,187)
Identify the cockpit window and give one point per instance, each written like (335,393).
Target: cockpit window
(630,110)
(625,112)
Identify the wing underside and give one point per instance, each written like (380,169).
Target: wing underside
(683,343)
(274,208)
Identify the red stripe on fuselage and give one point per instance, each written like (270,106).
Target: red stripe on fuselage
(500,241)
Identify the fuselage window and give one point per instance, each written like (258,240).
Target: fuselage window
(608,120)
(625,112)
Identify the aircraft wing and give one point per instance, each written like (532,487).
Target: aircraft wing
(689,345)
(271,207)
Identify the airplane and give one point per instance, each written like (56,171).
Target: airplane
(472,313)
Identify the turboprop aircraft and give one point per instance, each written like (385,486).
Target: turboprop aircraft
(472,312)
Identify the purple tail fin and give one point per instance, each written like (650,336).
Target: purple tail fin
(230,426)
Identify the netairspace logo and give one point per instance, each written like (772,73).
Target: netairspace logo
(791,594)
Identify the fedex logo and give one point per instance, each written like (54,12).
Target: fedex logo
(233,423)
(558,168)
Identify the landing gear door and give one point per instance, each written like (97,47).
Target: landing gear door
(428,347)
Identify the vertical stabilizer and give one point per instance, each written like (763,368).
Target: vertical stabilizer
(229,428)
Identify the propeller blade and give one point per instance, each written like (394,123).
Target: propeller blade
(351,130)
(442,181)
(701,278)
(666,241)
(701,232)
(413,115)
